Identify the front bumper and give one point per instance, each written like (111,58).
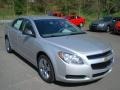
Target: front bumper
(98,28)
(79,73)
(117,31)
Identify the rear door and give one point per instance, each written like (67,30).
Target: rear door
(14,32)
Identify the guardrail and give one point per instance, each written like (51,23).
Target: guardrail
(5,21)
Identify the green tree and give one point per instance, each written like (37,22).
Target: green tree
(20,6)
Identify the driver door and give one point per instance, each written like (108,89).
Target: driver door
(27,40)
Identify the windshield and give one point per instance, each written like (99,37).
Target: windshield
(107,18)
(56,27)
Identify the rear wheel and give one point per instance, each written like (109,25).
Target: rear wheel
(45,69)
(7,45)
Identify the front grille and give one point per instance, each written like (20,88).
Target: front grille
(94,24)
(99,74)
(101,55)
(102,65)
(93,27)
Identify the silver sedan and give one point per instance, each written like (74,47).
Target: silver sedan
(60,50)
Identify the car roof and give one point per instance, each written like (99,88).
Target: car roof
(116,18)
(40,17)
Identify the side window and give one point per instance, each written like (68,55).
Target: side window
(17,24)
(27,28)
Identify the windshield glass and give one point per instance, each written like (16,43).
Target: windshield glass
(107,18)
(56,27)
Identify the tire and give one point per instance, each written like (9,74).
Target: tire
(7,46)
(108,29)
(45,69)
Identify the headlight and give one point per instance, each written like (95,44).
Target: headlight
(70,58)
(81,24)
(101,25)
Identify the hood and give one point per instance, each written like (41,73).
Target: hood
(81,43)
(101,22)
(98,22)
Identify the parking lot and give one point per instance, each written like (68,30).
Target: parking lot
(17,74)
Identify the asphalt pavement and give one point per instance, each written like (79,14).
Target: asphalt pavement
(17,74)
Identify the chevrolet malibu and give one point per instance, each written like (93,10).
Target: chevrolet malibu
(59,50)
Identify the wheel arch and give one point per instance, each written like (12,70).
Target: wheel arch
(44,53)
(6,36)
(40,53)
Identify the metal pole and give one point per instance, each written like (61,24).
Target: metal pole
(27,7)
(98,9)
(66,7)
(13,8)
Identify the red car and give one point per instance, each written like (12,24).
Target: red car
(76,20)
(57,14)
(115,27)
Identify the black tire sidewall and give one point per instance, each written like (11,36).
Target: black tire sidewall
(108,29)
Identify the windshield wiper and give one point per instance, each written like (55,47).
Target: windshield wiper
(47,36)
(77,33)
(50,36)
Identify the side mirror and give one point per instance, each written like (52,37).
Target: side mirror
(28,32)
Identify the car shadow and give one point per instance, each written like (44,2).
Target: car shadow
(118,34)
(96,31)
(25,61)
(63,84)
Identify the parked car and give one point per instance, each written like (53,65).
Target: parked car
(76,20)
(57,14)
(59,50)
(115,25)
(101,24)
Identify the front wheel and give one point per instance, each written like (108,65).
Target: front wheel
(108,29)
(45,69)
